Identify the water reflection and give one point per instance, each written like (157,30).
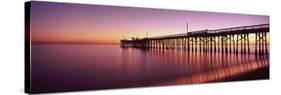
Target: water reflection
(169,66)
(89,67)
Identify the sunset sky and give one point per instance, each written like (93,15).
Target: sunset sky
(64,22)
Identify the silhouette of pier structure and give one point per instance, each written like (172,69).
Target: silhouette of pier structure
(226,40)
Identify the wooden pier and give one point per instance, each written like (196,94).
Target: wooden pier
(226,40)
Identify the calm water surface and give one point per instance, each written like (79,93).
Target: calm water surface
(84,67)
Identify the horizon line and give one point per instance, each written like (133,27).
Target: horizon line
(64,42)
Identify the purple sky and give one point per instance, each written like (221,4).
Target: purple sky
(108,24)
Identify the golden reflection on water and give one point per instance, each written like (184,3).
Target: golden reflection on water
(220,73)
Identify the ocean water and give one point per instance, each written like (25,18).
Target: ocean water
(91,67)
